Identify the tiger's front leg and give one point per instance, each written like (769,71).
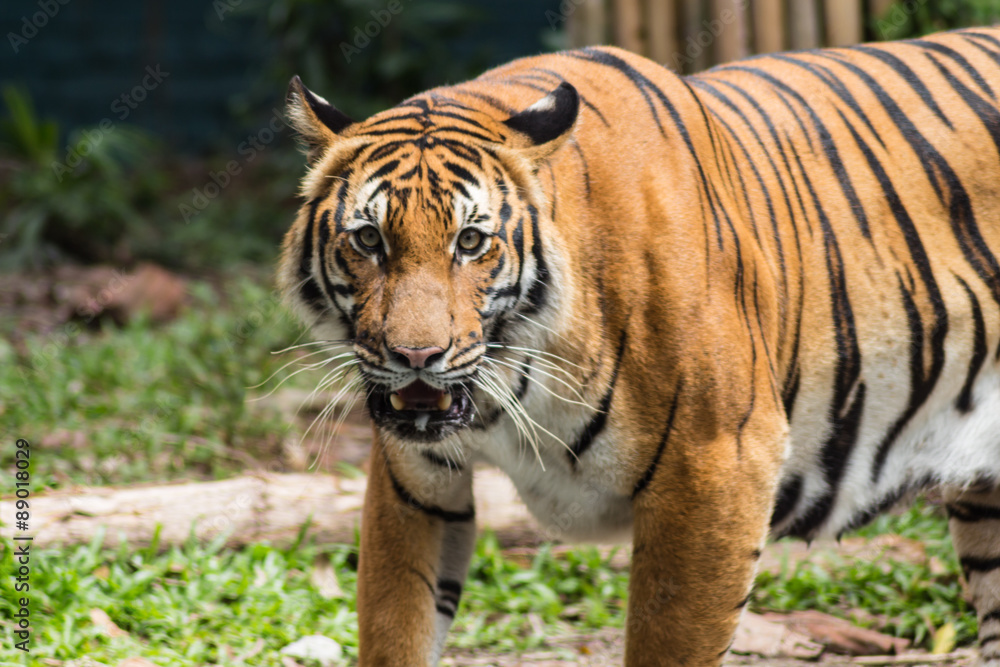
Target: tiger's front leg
(417,535)
(699,526)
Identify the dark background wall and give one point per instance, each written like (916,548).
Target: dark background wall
(86,54)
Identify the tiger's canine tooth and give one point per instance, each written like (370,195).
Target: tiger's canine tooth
(445,401)
(397,401)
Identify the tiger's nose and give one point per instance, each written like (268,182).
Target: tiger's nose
(417,357)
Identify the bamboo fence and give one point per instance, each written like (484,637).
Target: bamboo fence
(690,35)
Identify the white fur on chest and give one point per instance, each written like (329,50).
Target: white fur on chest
(582,502)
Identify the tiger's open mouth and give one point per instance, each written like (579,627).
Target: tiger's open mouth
(419,411)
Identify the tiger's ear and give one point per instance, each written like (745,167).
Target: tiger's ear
(545,125)
(317,121)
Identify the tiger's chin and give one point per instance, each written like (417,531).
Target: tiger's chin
(421,413)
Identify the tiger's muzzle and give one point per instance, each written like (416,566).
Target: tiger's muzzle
(426,400)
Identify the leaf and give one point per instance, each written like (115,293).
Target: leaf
(944,639)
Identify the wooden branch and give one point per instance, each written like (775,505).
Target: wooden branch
(913,658)
(246,509)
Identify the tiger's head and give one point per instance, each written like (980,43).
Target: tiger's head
(419,244)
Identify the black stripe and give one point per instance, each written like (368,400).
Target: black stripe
(324,237)
(791,389)
(990,616)
(645,86)
(647,476)
(826,75)
(972,512)
(964,402)
(826,141)
(989,639)
(922,384)
(599,420)
(461,172)
(450,590)
(846,416)
(909,76)
(422,578)
(970,564)
(383,170)
(538,292)
(959,59)
(936,168)
(431,510)
(788,499)
(310,292)
(447,611)
(745,601)
(984,110)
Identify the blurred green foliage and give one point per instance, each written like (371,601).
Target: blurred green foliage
(113,194)
(363,55)
(81,201)
(913,18)
(151,402)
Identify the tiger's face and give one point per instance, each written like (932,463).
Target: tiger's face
(419,240)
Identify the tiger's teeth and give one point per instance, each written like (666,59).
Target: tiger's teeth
(397,402)
(445,401)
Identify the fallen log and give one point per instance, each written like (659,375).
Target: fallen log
(259,507)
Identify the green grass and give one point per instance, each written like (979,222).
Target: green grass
(151,403)
(914,599)
(157,403)
(200,604)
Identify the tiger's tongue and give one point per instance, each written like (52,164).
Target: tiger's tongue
(420,396)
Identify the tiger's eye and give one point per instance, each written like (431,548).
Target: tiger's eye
(470,239)
(369,237)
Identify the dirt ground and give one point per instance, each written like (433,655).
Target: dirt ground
(607,650)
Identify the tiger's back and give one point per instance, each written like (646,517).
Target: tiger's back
(763,299)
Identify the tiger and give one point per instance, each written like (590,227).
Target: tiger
(691,312)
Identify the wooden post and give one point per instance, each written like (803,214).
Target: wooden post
(695,46)
(768,26)
(803,24)
(729,21)
(628,25)
(843,22)
(593,20)
(661,16)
